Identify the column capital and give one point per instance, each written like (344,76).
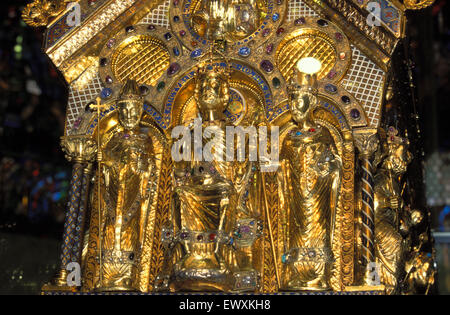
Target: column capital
(367,141)
(79,148)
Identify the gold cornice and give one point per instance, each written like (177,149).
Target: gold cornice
(373,48)
(73,55)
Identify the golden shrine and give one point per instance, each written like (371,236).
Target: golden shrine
(158,90)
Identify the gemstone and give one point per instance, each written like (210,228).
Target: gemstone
(103,62)
(300,21)
(245,51)
(355,114)
(168,36)
(312,130)
(279,2)
(184,235)
(92,2)
(194,44)
(342,55)
(129,29)
(298,133)
(252,223)
(283,258)
(182,33)
(332,74)
(200,237)
(330,88)
(339,36)
(173,69)
(245,229)
(312,253)
(144,90)
(275,17)
(131,256)
(280,31)
(108,79)
(212,237)
(105,93)
(168,234)
(196,53)
(276,83)
(201,169)
(322,22)
(269,49)
(267,66)
(161,86)
(176,18)
(346,99)
(77,123)
(266,32)
(111,43)
(151,27)
(176,51)
(175,2)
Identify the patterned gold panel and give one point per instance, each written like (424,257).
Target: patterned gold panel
(141,58)
(306,43)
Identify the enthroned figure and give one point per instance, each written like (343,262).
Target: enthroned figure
(126,166)
(311,171)
(204,197)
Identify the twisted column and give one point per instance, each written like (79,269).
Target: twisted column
(367,143)
(81,151)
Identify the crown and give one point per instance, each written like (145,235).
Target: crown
(214,63)
(393,138)
(130,92)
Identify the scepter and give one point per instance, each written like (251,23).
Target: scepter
(97,108)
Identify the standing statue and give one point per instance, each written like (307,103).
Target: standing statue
(126,167)
(391,222)
(311,171)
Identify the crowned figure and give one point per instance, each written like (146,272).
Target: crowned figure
(126,165)
(311,169)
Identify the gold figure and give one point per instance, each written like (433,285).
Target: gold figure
(391,223)
(127,163)
(204,196)
(311,170)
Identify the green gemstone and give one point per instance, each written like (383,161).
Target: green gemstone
(161,86)
(276,83)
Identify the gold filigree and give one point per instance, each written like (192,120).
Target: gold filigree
(417,4)
(42,12)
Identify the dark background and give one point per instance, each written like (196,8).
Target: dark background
(34,175)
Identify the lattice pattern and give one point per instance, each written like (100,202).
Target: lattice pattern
(159,16)
(437,179)
(79,99)
(365,81)
(298,8)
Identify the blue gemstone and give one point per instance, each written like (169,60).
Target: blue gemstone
(298,133)
(168,36)
(245,52)
(275,17)
(196,53)
(330,88)
(283,259)
(176,51)
(106,92)
(176,18)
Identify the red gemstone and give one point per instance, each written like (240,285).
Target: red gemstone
(332,74)
(194,44)
(182,33)
(312,130)
(266,32)
(280,31)
(212,237)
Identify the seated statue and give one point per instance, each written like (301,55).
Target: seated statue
(204,197)
(126,165)
(311,171)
